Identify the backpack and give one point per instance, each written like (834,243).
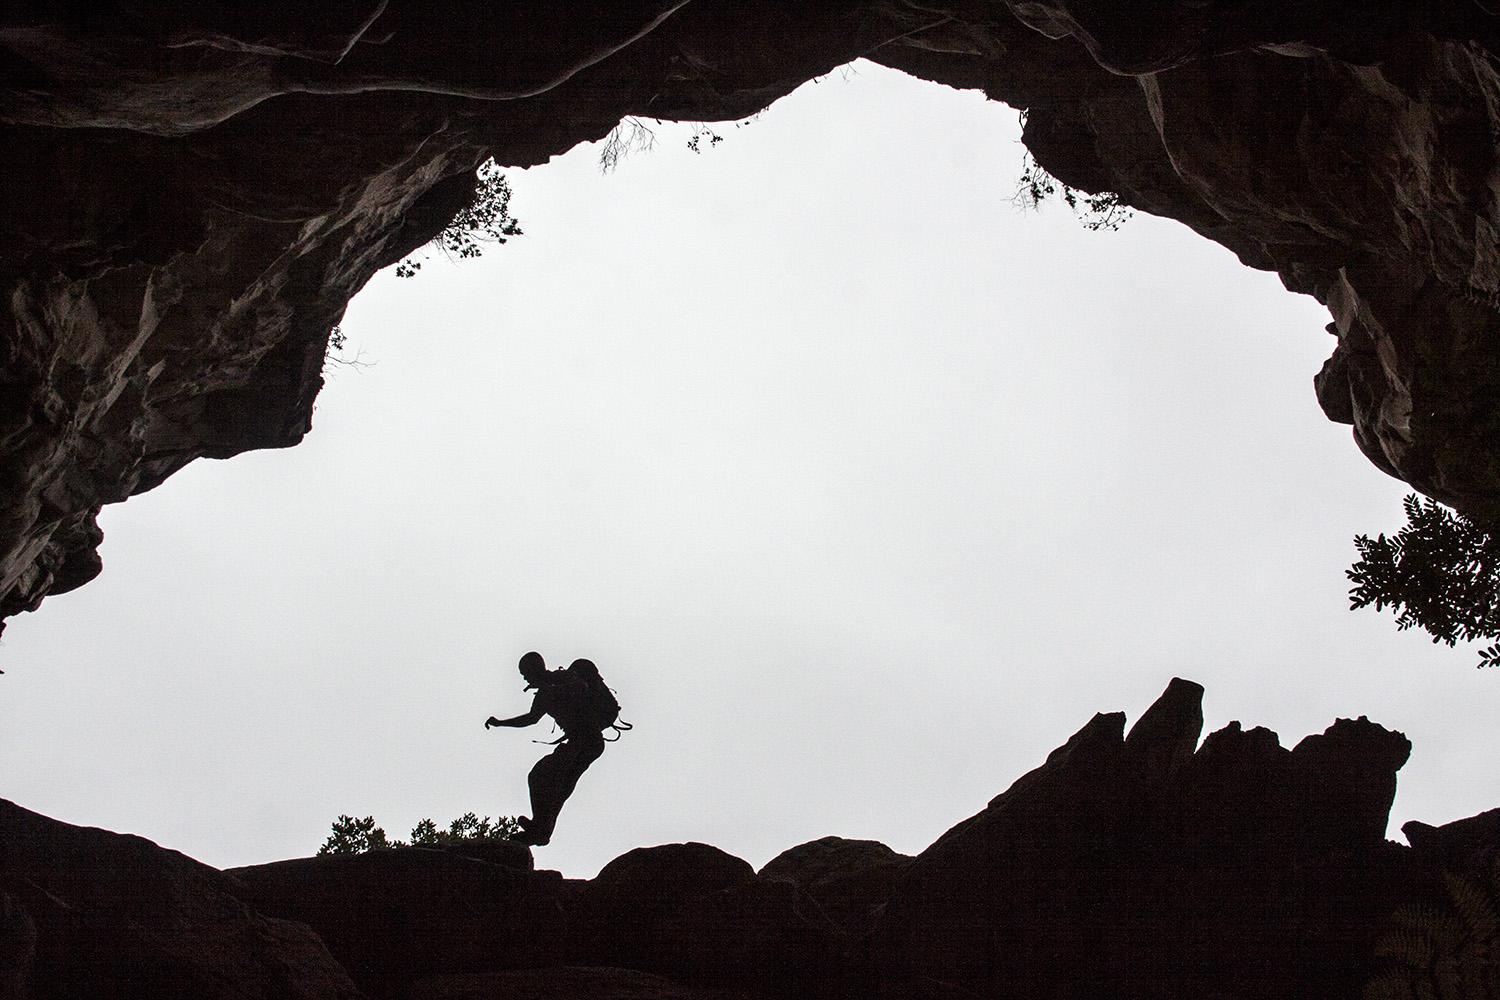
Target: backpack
(592,707)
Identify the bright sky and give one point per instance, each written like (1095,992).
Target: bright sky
(864,489)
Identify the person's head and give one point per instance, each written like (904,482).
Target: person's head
(533,668)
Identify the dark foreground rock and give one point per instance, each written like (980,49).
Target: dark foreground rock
(849,879)
(699,914)
(88,913)
(559,983)
(391,915)
(1126,865)
(1135,861)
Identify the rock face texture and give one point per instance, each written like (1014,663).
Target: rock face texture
(849,879)
(396,914)
(87,913)
(1125,865)
(196,191)
(1126,859)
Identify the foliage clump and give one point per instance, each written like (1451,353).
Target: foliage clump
(486,219)
(356,836)
(1440,573)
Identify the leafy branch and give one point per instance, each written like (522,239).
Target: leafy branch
(486,219)
(1440,573)
(633,135)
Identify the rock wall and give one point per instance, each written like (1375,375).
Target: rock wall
(1138,865)
(89,913)
(196,193)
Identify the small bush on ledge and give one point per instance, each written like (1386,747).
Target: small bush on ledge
(356,836)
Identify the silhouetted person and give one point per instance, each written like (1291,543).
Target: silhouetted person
(580,703)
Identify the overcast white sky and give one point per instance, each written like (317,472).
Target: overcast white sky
(864,489)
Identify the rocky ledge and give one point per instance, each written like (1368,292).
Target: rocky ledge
(196,190)
(1128,864)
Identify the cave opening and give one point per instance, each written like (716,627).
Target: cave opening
(843,468)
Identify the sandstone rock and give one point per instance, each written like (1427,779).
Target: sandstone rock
(1238,790)
(1453,844)
(17,947)
(1166,735)
(1347,778)
(697,914)
(653,880)
(392,915)
(1217,868)
(849,879)
(1118,867)
(504,853)
(88,913)
(196,195)
(560,983)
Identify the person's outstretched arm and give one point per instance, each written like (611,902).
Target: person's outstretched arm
(531,718)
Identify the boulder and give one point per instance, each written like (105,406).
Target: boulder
(89,913)
(653,880)
(392,915)
(849,879)
(697,914)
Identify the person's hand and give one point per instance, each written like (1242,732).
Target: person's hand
(491,721)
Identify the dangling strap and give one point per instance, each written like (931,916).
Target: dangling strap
(552,743)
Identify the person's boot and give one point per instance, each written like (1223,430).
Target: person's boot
(530,836)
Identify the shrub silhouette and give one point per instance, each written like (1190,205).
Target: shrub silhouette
(355,836)
(466,827)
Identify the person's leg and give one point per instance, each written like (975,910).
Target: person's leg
(573,757)
(543,782)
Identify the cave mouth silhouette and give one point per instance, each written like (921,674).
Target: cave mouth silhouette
(868,614)
(832,401)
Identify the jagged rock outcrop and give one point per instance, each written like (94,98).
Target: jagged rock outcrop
(1137,862)
(1122,866)
(197,191)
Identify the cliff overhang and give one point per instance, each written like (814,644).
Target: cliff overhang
(195,195)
